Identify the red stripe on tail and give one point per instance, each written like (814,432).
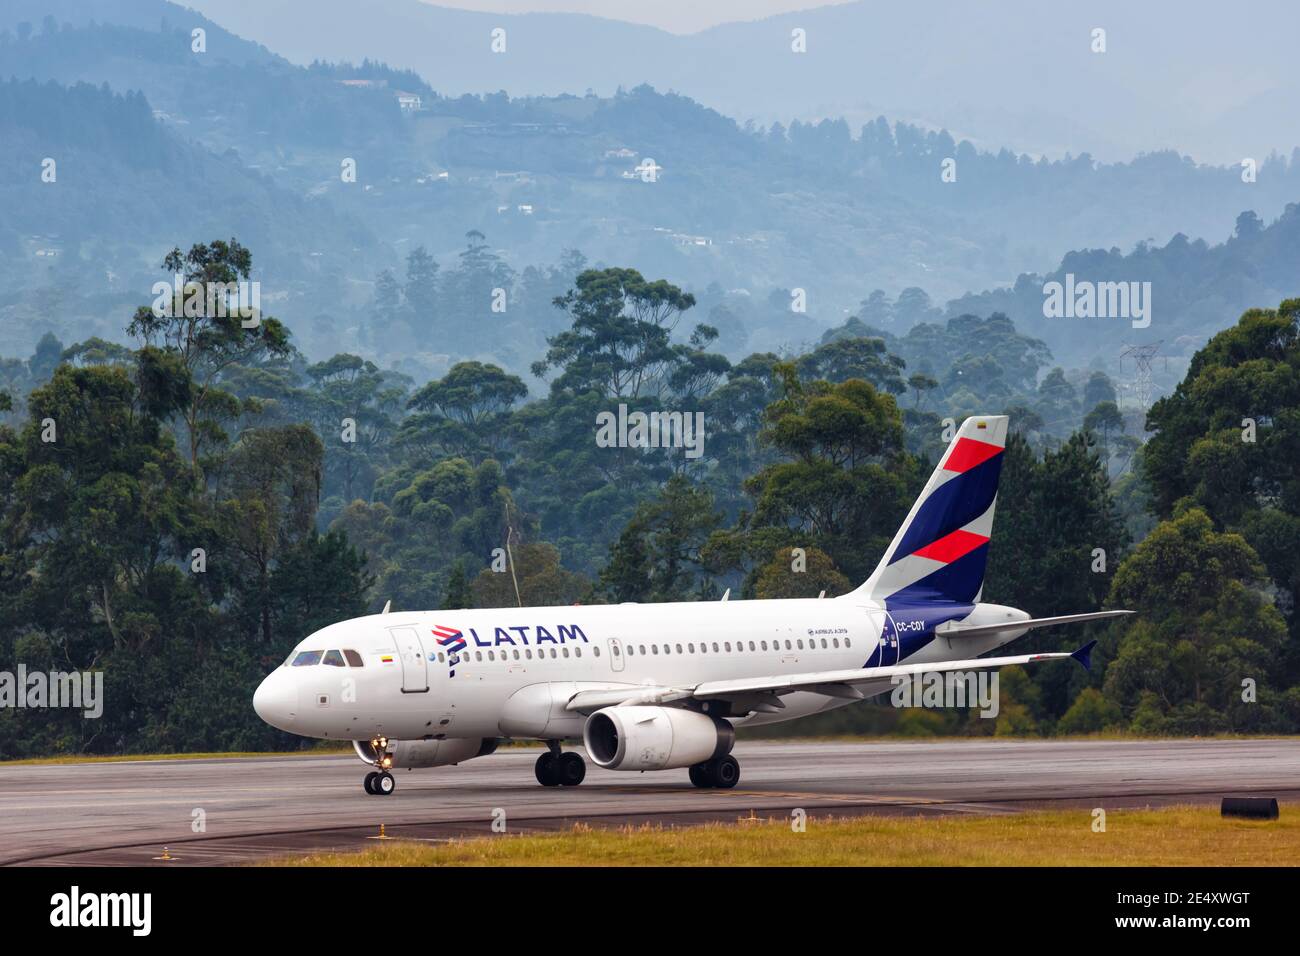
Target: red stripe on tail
(968,453)
(952,546)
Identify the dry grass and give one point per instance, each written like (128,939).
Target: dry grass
(1178,836)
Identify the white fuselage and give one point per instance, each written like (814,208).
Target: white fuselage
(519,666)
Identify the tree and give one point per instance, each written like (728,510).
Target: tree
(843,482)
(657,557)
(197,327)
(620,341)
(781,577)
(543,581)
(861,358)
(464,413)
(267,497)
(1228,438)
(317,581)
(420,292)
(458,595)
(1091,713)
(355,408)
(1105,418)
(1202,627)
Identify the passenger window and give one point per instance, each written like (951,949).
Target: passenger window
(564,651)
(552,653)
(835,642)
(799,644)
(690,648)
(751,645)
(764,645)
(654,649)
(354,659)
(441,660)
(787,646)
(491,656)
(847,643)
(641,649)
(615,650)
(307,658)
(596,651)
(333,659)
(478,655)
(679,648)
(516,655)
(715,647)
(727,646)
(528,655)
(823,643)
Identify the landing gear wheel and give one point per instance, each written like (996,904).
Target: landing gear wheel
(369,783)
(700,776)
(572,769)
(547,770)
(384,784)
(724,773)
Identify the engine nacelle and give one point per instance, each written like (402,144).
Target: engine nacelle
(411,754)
(655,738)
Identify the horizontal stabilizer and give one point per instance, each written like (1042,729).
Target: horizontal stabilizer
(953,629)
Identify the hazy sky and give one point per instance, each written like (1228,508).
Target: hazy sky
(676,16)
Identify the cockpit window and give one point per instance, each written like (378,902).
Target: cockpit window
(333,659)
(307,658)
(354,659)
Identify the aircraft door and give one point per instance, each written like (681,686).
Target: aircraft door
(616,661)
(410,651)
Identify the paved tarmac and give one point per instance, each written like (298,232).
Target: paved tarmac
(124,813)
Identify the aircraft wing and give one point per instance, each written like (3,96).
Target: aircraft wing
(765,691)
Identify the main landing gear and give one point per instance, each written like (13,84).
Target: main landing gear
(723,773)
(380,783)
(557,769)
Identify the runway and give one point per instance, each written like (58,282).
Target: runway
(124,813)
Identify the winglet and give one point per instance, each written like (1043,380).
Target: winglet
(1084,655)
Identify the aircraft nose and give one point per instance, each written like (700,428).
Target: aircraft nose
(276,699)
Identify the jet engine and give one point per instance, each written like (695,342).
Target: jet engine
(410,754)
(655,738)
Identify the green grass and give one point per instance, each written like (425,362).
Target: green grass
(1176,836)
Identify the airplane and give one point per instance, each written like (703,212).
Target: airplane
(663,686)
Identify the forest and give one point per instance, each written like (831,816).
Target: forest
(179,511)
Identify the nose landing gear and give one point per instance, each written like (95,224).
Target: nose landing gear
(380,783)
(556,769)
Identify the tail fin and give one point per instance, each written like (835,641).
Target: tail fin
(941,551)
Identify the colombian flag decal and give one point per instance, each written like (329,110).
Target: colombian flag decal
(386,658)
